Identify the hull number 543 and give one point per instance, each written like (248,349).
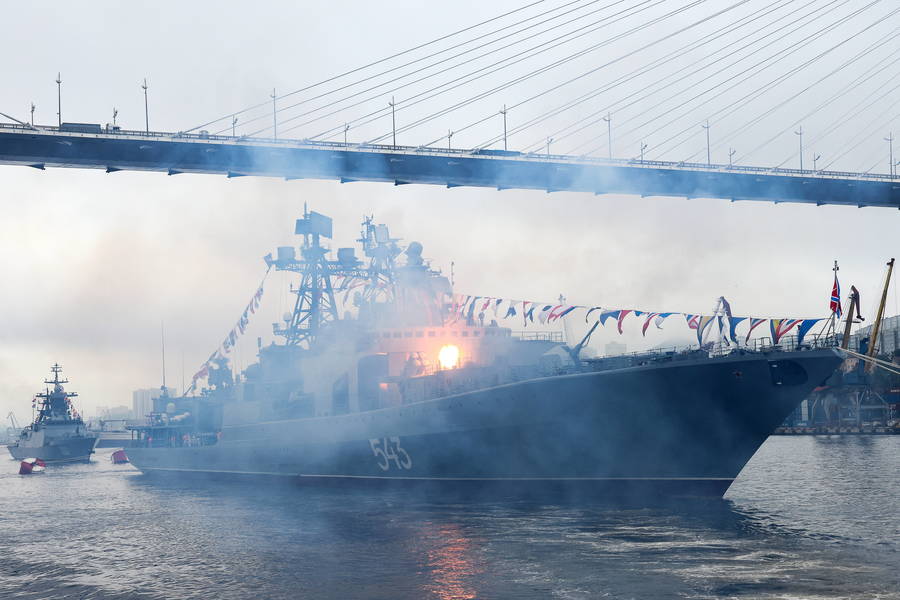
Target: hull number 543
(388,451)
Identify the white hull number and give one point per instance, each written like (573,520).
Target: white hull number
(388,449)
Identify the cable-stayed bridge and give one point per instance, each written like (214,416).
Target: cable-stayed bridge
(189,153)
(545,95)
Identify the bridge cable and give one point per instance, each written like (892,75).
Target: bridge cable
(638,97)
(866,75)
(683,51)
(418,98)
(467,62)
(755,93)
(860,107)
(539,71)
(372,64)
(443,60)
(743,101)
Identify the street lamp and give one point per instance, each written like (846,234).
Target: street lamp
(503,112)
(59,99)
(144,87)
(708,155)
(608,119)
(800,133)
(393,120)
(890,140)
(274,115)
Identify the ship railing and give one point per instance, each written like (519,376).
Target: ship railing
(117,132)
(543,336)
(722,348)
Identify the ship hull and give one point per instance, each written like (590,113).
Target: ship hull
(63,451)
(680,428)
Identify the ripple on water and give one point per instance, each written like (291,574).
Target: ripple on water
(806,519)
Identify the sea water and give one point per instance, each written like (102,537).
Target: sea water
(809,517)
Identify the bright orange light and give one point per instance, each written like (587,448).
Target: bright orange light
(448,357)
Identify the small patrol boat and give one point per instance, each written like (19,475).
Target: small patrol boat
(58,433)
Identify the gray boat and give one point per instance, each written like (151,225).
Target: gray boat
(402,393)
(58,434)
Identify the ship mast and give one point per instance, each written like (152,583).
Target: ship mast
(315,304)
(55,403)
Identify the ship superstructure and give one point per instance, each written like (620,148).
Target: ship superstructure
(58,433)
(391,384)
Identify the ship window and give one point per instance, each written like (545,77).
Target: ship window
(397,334)
(407,334)
(420,334)
(454,333)
(476,333)
(431,334)
(386,334)
(465,334)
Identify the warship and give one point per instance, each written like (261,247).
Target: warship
(395,387)
(58,434)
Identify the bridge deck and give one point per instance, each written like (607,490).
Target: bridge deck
(297,159)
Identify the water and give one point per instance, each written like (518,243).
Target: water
(808,518)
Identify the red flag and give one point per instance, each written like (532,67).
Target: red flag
(835,305)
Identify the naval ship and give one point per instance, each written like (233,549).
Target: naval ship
(397,390)
(58,434)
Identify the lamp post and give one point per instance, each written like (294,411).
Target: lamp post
(449,137)
(346,129)
(816,158)
(32,114)
(115,114)
(643,147)
(393,121)
(234,121)
(549,141)
(731,153)
(800,133)
(274,115)
(890,140)
(146,107)
(59,100)
(503,112)
(708,155)
(608,119)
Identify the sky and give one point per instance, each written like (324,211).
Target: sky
(97,265)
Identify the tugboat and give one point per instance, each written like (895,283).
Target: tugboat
(58,433)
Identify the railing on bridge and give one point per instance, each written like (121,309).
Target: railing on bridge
(481,153)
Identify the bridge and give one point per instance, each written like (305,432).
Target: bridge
(756,70)
(177,153)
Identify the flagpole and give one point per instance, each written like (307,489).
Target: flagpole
(832,321)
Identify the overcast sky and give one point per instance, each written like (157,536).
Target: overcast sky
(93,263)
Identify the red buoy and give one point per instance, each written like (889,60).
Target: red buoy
(119,458)
(30,466)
